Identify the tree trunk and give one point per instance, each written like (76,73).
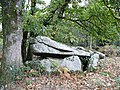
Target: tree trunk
(29,52)
(90,45)
(26,50)
(24,46)
(12,39)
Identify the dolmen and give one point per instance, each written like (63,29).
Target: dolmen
(52,55)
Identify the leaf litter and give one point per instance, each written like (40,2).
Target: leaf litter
(106,77)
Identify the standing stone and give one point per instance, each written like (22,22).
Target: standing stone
(94,60)
(72,63)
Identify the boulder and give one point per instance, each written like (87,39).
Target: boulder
(94,60)
(44,46)
(72,63)
(101,55)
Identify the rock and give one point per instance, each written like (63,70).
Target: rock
(44,46)
(47,64)
(51,64)
(51,43)
(72,63)
(101,55)
(94,60)
(62,55)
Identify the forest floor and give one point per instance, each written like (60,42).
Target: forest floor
(106,77)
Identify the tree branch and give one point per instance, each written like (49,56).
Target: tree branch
(116,17)
(80,22)
(60,9)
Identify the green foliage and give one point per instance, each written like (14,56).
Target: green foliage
(0,13)
(71,25)
(114,4)
(105,73)
(19,74)
(54,65)
(37,66)
(117,80)
(97,81)
(31,23)
(62,33)
(22,72)
(13,72)
(28,82)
